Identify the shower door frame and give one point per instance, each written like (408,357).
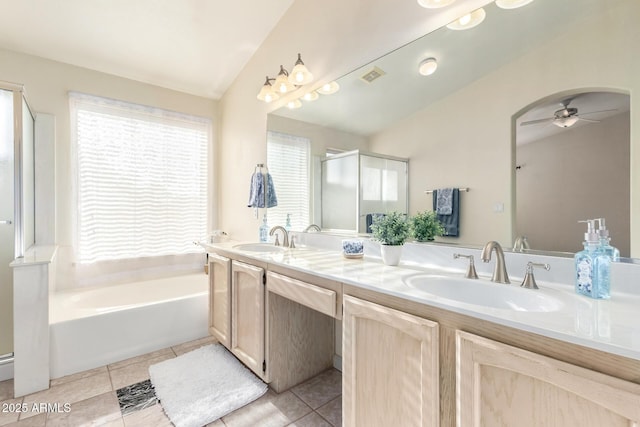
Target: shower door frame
(18,222)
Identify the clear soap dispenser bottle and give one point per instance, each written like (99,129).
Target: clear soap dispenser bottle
(593,266)
(605,241)
(287,225)
(264,229)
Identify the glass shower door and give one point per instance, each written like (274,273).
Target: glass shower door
(7,221)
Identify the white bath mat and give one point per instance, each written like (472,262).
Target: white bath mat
(203,385)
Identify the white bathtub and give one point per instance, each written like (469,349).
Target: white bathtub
(93,327)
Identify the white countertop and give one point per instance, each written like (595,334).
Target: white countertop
(36,255)
(608,325)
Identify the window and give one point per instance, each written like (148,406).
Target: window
(141,179)
(288,162)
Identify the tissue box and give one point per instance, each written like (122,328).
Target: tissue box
(352,248)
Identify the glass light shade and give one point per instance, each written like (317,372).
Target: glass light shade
(328,88)
(512,4)
(311,96)
(267,94)
(300,75)
(469,20)
(294,104)
(282,84)
(428,66)
(434,4)
(565,122)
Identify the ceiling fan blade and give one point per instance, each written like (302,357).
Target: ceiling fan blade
(601,111)
(535,122)
(588,120)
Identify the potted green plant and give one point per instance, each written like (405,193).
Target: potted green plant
(391,230)
(425,226)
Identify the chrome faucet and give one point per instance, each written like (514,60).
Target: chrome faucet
(311,227)
(521,243)
(285,235)
(500,272)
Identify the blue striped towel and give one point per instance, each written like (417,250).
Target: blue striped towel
(257,197)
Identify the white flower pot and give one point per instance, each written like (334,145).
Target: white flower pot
(391,254)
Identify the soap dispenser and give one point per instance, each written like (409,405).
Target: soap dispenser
(605,241)
(264,230)
(287,225)
(592,266)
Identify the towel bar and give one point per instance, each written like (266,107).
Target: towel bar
(466,189)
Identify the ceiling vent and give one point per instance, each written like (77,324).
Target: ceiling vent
(372,75)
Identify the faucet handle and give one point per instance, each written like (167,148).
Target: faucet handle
(529,281)
(471,271)
(292,243)
(277,241)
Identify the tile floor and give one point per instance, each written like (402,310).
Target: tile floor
(93,398)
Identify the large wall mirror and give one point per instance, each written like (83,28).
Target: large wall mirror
(459,126)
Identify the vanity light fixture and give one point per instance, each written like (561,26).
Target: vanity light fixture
(282,84)
(267,94)
(311,96)
(512,4)
(434,4)
(300,75)
(428,66)
(285,82)
(469,20)
(328,88)
(293,104)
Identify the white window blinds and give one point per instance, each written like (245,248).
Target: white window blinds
(141,179)
(288,159)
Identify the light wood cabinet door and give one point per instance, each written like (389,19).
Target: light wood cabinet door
(390,367)
(248,315)
(500,385)
(220,298)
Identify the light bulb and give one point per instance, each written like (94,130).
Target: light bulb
(428,66)
(434,4)
(469,20)
(512,4)
(465,19)
(328,88)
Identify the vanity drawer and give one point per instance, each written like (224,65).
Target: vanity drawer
(312,296)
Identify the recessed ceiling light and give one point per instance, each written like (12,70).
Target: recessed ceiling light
(428,66)
(512,4)
(328,88)
(434,4)
(469,20)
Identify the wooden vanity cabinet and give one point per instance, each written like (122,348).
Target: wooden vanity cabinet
(390,367)
(489,374)
(280,327)
(501,385)
(248,316)
(220,298)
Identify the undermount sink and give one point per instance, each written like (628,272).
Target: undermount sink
(259,247)
(482,293)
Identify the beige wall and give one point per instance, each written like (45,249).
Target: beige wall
(581,173)
(334,37)
(475,149)
(321,137)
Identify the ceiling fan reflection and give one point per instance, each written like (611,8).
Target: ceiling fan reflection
(566,116)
